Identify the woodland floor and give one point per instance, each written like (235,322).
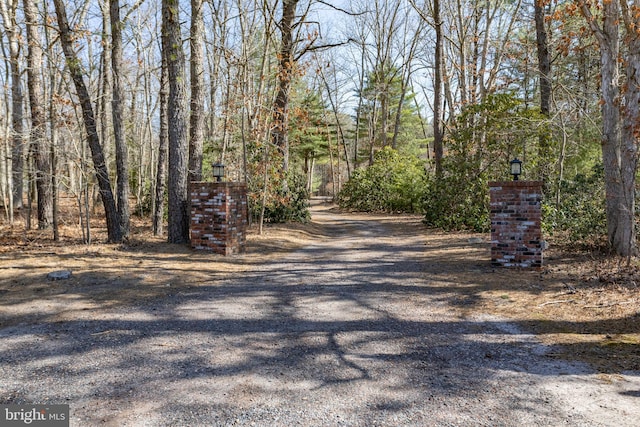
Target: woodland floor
(584,306)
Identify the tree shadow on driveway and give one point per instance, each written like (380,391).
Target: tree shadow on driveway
(366,326)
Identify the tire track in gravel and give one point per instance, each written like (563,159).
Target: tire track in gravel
(355,329)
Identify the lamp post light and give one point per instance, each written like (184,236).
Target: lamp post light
(218,171)
(516,168)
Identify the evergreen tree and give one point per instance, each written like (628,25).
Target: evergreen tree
(309,133)
(380,97)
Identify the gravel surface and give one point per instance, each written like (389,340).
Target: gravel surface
(353,330)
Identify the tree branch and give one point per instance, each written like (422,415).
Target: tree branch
(311,48)
(591,21)
(338,9)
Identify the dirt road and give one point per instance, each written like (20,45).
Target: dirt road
(359,328)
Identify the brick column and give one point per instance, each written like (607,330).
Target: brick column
(516,236)
(219,216)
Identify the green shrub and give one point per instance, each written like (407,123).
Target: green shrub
(286,205)
(581,208)
(394,183)
(483,139)
(465,209)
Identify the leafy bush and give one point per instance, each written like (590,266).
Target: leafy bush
(485,137)
(286,205)
(581,208)
(394,183)
(458,201)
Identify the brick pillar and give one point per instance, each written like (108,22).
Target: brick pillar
(516,236)
(219,216)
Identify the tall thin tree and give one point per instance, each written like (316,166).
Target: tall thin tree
(196,120)
(163,145)
(620,116)
(280,132)
(544,70)
(41,149)
(117,111)
(438,123)
(178,215)
(8,13)
(97,155)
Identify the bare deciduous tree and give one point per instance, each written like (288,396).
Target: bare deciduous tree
(97,155)
(8,13)
(41,147)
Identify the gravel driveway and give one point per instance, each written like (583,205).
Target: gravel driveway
(353,330)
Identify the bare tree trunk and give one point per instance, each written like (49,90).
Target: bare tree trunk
(544,69)
(561,159)
(372,133)
(104,100)
(54,190)
(334,109)
(41,147)
(265,188)
(6,180)
(102,174)
(356,142)
(405,75)
(544,58)
(8,12)
(461,29)
(619,156)
(423,125)
(438,126)
(53,125)
(196,125)
(178,221)
(332,167)
(117,110)
(280,133)
(384,109)
(161,174)
(227,115)
(630,130)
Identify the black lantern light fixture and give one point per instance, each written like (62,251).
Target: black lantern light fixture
(516,168)
(218,171)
